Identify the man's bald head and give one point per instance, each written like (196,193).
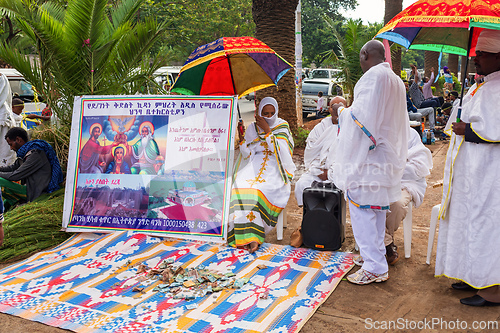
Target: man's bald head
(371,54)
(338,100)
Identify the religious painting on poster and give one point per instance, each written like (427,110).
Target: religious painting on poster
(156,164)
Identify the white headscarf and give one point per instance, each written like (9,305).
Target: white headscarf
(489,41)
(269,101)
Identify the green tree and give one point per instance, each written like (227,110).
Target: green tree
(87,47)
(316,35)
(413,57)
(347,58)
(197,22)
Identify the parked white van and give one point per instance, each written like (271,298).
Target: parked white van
(22,89)
(167,75)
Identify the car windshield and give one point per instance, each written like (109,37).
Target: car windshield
(21,88)
(320,74)
(312,88)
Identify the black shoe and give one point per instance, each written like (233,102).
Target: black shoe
(462,286)
(475,300)
(392,255)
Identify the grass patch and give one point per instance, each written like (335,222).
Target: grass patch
(299,137)
(33,227)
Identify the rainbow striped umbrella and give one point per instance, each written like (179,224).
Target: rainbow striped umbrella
(449,26)
(230,66)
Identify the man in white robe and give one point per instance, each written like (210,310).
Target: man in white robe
(7,156)
(320,150)
(469,230)
(413,185)
(371,156)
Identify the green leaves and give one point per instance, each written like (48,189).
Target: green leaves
(88,47)
(349,46)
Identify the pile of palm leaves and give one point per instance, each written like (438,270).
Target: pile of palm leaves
(33,227)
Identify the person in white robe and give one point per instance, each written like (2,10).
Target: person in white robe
(7,121)
(468,246)
(371,156)
(413,185)
(262,180)
(321,144)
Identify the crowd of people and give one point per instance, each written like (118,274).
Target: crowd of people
(370,152)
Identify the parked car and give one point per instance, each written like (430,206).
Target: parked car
(310,89)
(250,96)
(324,73)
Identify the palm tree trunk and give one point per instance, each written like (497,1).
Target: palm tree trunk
(392,8)
(431,59)
(275,26)
(453,63)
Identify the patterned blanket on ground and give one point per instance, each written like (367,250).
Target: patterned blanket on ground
(91,283)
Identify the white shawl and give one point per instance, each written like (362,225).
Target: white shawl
(418,165)
(321,146)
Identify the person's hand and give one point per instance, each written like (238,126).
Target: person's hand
(241,130)
(31,116)
(459,128)
(262,123)
(323,176)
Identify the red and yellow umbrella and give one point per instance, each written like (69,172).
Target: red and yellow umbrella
(442,25)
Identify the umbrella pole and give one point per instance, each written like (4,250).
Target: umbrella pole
(469,44)
(240,120)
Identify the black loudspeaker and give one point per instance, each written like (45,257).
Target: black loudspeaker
(323,220)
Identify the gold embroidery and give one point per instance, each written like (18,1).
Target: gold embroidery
(251,216)
(267,153)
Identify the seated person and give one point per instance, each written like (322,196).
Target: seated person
(262,182)
(446,111)
(413,183)
(417,114)
(454,98)
(320,151)
(36,166)
(17,111)
(418,99)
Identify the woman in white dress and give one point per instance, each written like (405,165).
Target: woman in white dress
(262,181)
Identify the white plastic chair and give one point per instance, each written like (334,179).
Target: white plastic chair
(432,232)
(407,231)
(282,223)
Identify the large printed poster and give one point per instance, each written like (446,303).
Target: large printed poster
(155,164)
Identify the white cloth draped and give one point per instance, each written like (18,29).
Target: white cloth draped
(7,156)
(321,147)
(418,166)
(370,172)
(469,232)
(261,186)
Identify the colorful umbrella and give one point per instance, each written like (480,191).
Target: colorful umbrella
(442,25)
(230,66)
(450,26)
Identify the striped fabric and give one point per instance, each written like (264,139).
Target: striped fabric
(86,285)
